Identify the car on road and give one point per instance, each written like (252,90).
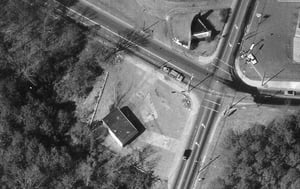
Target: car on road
(173,73)
(187,153)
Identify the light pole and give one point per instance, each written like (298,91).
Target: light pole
(189,83)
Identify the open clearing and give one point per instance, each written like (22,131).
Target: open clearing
(148,93)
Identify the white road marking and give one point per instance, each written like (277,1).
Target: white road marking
(107,13)
(212,101)
(222,61)
(106,28)
(209,108)
(116,18)
(255,9)
(221,69)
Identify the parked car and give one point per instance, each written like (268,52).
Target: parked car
(187,153)
(251,59)
(166,69)
(243,54)
(173,73)
(289,93)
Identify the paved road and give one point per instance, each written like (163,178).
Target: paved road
(210,106)
(159,53)
(213,79)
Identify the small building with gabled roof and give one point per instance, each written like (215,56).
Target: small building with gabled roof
(120,127)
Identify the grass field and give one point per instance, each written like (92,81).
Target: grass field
(272,34)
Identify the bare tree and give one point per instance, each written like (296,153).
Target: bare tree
(129,41)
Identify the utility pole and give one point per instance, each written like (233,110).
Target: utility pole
(147,28)
(209,75)
(234,104)
(189,83)
(208,164)
(275,75)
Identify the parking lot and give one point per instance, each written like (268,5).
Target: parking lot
(270,33)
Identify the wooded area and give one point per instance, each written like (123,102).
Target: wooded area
(44,61)
(265,157)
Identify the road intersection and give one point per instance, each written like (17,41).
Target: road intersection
(212,81)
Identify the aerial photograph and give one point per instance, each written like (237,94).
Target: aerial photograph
(149,94)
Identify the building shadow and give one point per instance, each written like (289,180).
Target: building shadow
(200,24)
(134,120)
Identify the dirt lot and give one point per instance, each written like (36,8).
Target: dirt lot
(244,118)
(148,93)
(272,33)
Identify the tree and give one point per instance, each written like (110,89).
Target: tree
(264,156)
(44,57)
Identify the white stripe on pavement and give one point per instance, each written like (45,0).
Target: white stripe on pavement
(106,28)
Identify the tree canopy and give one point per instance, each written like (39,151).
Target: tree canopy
(46,58)
(264,156)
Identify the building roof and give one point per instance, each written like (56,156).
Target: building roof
(199,28)
(120,126)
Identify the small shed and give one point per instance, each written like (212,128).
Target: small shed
(200,30)
(120,127)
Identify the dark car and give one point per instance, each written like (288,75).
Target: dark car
(187,154)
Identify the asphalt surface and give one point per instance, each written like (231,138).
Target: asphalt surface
(159,54)
(210,107)
(212,79)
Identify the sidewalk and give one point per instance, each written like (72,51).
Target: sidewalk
(270,85)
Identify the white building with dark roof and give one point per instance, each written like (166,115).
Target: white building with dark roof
(119,127)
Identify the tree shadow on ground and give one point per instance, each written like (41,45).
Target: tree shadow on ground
(134,120)
(129,41)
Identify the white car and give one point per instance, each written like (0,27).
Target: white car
(178,76)
(166,69)
(251,58)
(289,93)
(173,73)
